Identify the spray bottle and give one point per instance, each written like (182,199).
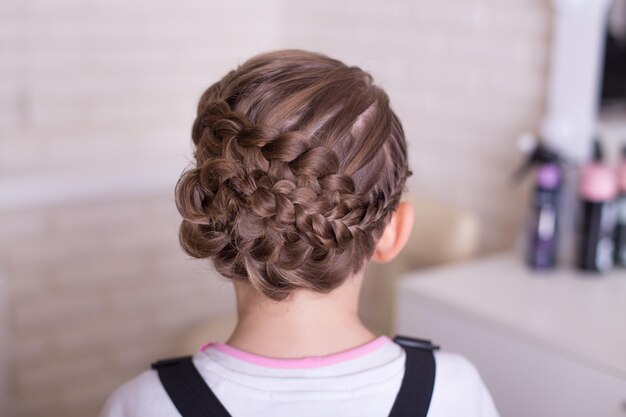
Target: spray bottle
(597,191)
(542,224)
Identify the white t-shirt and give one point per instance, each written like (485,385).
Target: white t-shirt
(360,382)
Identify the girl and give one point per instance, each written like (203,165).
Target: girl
(300,165)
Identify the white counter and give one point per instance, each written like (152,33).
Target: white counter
(555,333)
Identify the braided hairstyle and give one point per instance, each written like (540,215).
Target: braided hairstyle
(299,164)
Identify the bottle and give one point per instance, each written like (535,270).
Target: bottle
(541,230)
(620,228)
(597,191)
(542,248)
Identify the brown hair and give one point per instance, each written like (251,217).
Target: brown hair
(300,163)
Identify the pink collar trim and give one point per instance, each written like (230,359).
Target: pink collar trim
(305,362)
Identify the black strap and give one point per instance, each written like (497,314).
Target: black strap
(416,391)
(187,389)
(193,397)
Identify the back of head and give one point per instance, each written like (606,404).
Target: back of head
(300,163)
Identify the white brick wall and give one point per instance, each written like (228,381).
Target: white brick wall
(86,83)
(107,89)
(97,290)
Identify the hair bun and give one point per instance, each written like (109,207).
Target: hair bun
(271,204)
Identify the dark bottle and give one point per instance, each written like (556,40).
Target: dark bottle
(543,226)
(597,191)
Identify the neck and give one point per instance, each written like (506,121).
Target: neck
(306,324)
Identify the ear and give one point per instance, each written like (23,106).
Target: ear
(395,235)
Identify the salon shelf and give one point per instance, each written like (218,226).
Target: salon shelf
(558,338)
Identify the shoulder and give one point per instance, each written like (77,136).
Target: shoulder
(140,396)
(456,369)
(459,389)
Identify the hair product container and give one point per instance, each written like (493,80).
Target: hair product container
(597,192)
(540,234)
(544,226)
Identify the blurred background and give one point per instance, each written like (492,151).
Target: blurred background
(97,99)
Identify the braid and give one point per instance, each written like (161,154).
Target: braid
(273,206)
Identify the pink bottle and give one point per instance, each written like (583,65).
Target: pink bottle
(598,191)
